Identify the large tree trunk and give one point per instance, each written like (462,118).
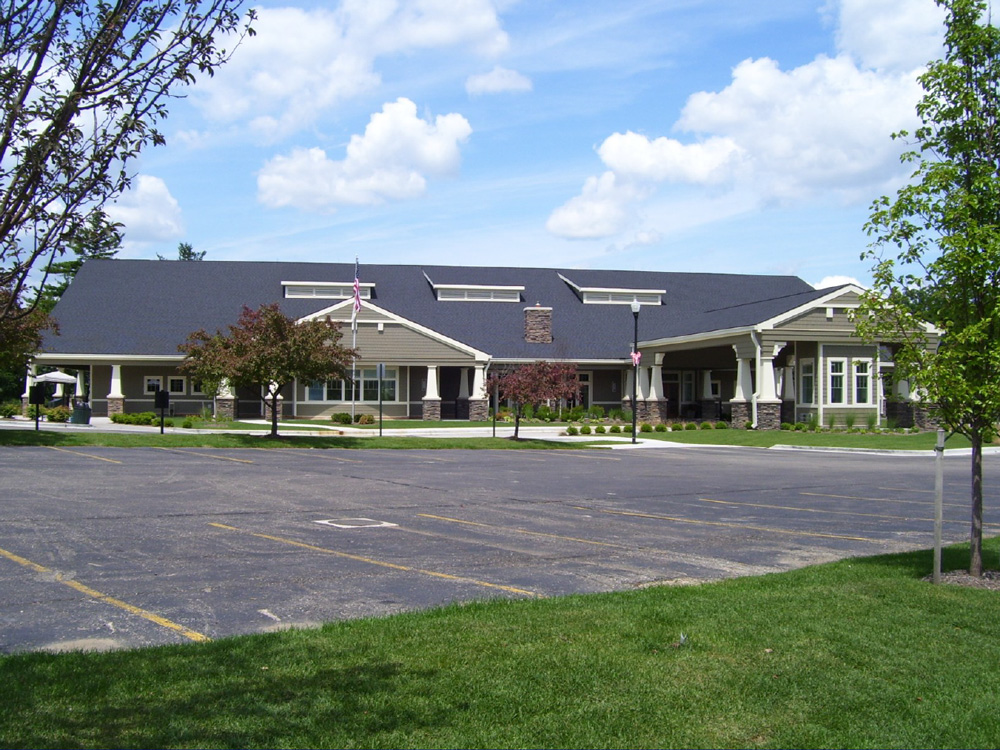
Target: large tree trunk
(976,534)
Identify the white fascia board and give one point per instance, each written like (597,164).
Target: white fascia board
(695,337)
(483,287)
(612,289)
(530,360)
(120,359)
(430,333)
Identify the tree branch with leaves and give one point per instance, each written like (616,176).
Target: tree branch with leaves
(534,384)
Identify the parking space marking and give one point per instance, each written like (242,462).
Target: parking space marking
(87,591)
(206,455)
(522,531)
(904,489)
(880,499)
(824,510)
(372,561)
(583,453)
(85,455)
(310,454)
(742,527)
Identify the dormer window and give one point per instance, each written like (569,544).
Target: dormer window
(474,293)
(325,290)
(598,295)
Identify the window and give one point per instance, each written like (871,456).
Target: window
(366,387)
(196,388)
(152,384)
(176,385)
(459,293)
(687,387)
(838,369)
(320,290)
(807,382)
(862,381)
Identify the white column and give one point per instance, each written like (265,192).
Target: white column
(225,390)
(29,380)
(706,385)
(479,382)
(643,391)
(463,383)
(60,390)
(656,378)
(432,382)
(744,383)
(116,382)
(80,389)
(629,379)
(788,384)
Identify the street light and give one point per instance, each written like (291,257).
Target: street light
(636,356)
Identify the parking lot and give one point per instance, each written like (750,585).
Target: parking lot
(106,547)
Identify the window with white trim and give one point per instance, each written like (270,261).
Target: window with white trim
(152,384)
(862,381)
(478,294)
(365,388)
(321,290)
(687,387)
(177,385)
(836,385)
(807,381)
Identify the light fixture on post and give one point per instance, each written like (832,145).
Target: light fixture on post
(636,356)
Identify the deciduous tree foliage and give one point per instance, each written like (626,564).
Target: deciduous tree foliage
(534,384)
(84,85)
(937,244)
(267,350)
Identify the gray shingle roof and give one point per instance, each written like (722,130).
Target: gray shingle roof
(142,307)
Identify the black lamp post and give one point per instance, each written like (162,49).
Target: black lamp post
(635,365)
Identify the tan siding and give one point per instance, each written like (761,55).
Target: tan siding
(397,344)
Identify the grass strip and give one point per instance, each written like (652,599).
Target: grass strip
(858,653)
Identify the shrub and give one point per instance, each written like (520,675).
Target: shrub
(585,430)
(706,426)
(341,417)
(786,425)
(617,414)
(366,419)
(849,420)
(574,415)
(661,427)
(545,413)
(722,425)
(748,425)
(58,414)
(813,424)
(872,421)
(527,411)
(799,426)
(831,420)
(596,412)
(677,426)
(691,426)
(626,415)
(617,428)
(600,429)
(645,427)
(187,424)
(10,409)
(571,430)
(138,418)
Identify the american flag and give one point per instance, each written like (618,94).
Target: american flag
(357,295)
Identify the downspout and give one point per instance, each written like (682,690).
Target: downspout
(756,392)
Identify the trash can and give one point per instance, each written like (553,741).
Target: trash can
(81,414)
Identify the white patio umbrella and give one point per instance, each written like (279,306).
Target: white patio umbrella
(56,377)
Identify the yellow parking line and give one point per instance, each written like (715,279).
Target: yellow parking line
(85,455)
(821,510)
(878,499)
(371,561)
(87,591)
(743,527)
(522,531)
(583,453)
(206,455)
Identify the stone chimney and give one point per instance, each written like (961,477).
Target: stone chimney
(538,324)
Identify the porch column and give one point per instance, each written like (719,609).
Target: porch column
(29,380)
(788,394)
(627,393)
(479,405)
(709,405)
(767,401)
(462,405)
(656,404)
(432,397)
(744,389)
(225,401)
(60,391)
(116,399)
(81,388)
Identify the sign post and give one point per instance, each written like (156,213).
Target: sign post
(938,502)
(161,401)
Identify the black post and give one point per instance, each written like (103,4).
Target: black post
(36,396)
(635,367)
(161,401)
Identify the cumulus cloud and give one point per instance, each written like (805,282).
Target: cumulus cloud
(784,136)
(388,162)
(497,81)
(303,62)
(831,281)
(148,211)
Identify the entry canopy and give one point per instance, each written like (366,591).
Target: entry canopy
(55,377)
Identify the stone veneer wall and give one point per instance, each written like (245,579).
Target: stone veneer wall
(432,410)
(538,325)
(479,409)
(912,414)
(225,408)
(116,406)
(769,415)
(741,414)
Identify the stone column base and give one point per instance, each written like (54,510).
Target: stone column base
(651,411)
(479,409)
(225,408)
(432,409)
(710,409)
(116,405)
(741,414)
(768,415)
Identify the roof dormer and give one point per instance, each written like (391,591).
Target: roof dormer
(600,295)
(325,289)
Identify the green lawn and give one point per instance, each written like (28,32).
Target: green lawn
(820,439)
(859,653)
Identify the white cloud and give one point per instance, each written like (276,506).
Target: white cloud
(821,129)
(497,81)
(148,211)
(388,162)
(303,62)
(831,281)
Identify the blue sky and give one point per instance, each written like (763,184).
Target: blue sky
(674,135)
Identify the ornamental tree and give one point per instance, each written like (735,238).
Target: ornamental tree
(84,85)
(267,350)
(535,384)
(937,244)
